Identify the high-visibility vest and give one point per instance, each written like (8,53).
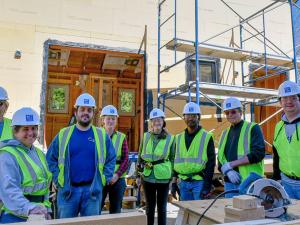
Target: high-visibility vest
(36,180)
(6,130)
(244,148)
(188,163)
(288,152)
(64,138)
(117,140)
(162,170)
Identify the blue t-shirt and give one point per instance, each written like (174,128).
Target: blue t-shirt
(82,150)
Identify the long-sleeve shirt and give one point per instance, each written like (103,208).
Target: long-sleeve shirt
(11,178)
(52,159)
(257,145)
(289,129)
(208,171)
(124,161)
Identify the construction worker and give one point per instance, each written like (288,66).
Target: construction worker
(241,147)
(5,123)
(286,144)
(25,178)
(117,185)
(82,160)
(194,157)
(155,166)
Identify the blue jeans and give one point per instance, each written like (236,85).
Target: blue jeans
(190,190)
(231,186)
(115,193)
(8,218)
(80,202)
(292,187)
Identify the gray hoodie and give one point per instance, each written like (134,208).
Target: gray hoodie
(11,178)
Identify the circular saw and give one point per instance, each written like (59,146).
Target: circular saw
(271,195)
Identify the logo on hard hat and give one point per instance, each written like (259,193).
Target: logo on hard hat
(228,105)
(86,101)
(287,89)
(29,118)
(155,114)
(112,111)
(191,109)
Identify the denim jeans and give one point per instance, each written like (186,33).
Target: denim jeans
(80,202)
(115,193)
(156,194)
(190,190)
(292,187)
(231,186)
(8,218)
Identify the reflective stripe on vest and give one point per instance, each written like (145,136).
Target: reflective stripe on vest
(149,153)
(243,150)
(152,157)
(64,138)
(117,140)
(288,151)
(6,130)
(188,163)
(36,179)
(198,159)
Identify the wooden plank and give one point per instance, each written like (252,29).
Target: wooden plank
(230,54)
(120,218)
(192,210)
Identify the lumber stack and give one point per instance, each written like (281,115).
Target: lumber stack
(244,207)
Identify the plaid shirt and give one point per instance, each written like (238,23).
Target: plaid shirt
(124,159)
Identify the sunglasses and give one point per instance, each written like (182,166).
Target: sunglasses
(2,103)
(232,112)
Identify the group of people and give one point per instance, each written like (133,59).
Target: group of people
(86,163)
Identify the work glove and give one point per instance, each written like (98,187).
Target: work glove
(225,168)
(234,177)
(174,190)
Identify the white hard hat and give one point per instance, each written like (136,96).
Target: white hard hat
(288,88)
(155,113)
(85,100)
(25,117)
(191,108)
(231,103)
(109,110)
(3,94)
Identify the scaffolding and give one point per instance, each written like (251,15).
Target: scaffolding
(194,90)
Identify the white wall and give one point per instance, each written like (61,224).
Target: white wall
(25,25)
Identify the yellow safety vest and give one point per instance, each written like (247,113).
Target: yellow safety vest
(117,140)
(188,163)
(244,146)
(162,170)
(6,130)
(64,138)
(288,152)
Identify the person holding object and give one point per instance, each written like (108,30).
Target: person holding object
(25,178)
(241,147)
(155,166)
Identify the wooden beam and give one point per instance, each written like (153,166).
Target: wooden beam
(79,49)
(110,219)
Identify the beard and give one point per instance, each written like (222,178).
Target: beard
(85,123)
